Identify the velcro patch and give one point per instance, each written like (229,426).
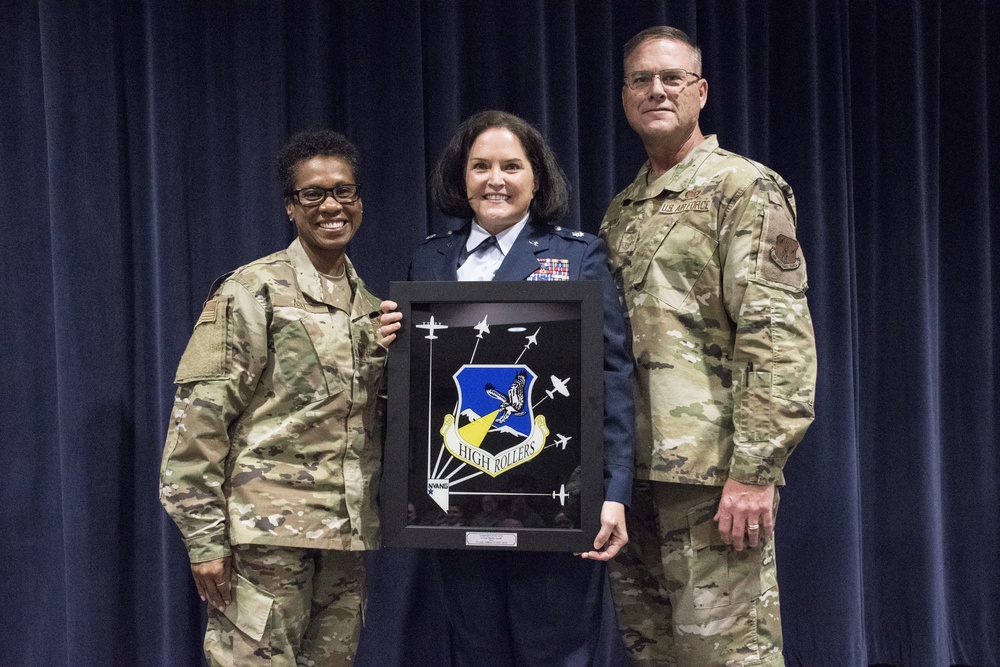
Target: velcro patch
(681,206)
(780,259)
(209,313)
(551,269)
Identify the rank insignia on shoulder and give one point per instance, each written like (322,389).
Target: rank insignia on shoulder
(578,234)
(784,253)
(534,243)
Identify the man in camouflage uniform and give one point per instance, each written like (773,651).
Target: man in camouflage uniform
(272,458)
(702,245)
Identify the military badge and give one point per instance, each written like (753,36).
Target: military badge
(784,253)
(551,269)
(495,430)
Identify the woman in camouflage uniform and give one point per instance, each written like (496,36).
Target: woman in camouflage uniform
(271,463)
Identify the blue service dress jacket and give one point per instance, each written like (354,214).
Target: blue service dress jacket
(542,608)
(586,259)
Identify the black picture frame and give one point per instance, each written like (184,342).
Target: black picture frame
(542,466)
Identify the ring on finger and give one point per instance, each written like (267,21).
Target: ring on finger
(753,527)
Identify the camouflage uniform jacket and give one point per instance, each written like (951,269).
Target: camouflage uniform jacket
(276,432)
(714,283)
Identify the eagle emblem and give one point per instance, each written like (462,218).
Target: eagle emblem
(513,402)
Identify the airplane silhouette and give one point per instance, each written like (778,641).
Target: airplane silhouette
(561,440)
(561,495)
(533,338)
(431,326)
(558,387)
(482,327)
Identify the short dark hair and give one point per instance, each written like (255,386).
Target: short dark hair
(550,202)
(307,145)
(661,32)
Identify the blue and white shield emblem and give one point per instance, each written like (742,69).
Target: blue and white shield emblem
(494,427)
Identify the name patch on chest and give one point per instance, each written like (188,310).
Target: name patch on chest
(681,206)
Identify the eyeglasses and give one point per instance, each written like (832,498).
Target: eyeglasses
(672,79)
(345,193)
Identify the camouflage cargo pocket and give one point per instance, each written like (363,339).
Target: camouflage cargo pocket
(720,576)
(298,369)
(240,635)
(207,355)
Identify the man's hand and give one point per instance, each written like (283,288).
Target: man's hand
(213,581)
(389,321)
(745,508)
(612,536)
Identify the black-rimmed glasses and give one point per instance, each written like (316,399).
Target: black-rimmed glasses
(345,193)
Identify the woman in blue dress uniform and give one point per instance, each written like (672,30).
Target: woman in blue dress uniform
(510,608)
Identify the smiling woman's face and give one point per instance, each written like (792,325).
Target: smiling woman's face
(324,230)
(499,180)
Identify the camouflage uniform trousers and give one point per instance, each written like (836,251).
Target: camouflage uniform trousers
(685,598)
(290,607)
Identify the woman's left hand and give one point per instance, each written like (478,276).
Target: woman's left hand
(612,536)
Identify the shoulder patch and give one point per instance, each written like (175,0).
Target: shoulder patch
(784,253)
(780,260)
(209,312)
(209,351)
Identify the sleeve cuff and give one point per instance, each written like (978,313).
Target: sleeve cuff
(618,484)
(207,548)
(758,471)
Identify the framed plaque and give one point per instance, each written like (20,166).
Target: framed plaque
(496,413)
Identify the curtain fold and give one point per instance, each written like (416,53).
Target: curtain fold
(136,148)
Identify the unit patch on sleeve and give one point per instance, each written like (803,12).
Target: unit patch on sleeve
(784,253)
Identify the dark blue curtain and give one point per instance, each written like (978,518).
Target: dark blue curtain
(136,140)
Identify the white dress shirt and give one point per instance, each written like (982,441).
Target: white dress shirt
(483,263)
